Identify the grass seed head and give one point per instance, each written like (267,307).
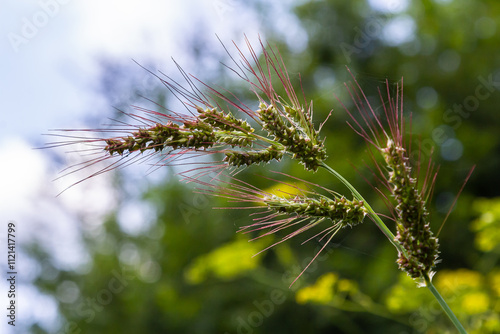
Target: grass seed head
(409,189)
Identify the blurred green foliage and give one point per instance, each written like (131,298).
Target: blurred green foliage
(487,225)
(191,273)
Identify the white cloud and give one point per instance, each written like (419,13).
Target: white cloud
(50,82)
(22,173)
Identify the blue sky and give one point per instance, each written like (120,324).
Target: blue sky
(49,79)
(51,50)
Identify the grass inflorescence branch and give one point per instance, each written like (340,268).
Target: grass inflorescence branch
(217,123)
(412,219)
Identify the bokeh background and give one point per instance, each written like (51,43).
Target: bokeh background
(137,250)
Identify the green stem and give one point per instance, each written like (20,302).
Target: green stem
(444,306)
(376,219)
(380,224)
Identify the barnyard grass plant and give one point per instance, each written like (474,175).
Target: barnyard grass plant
(275,127)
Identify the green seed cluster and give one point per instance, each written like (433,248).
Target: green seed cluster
(222,121)
(340,210)
(413,229)
(234,138)
(239,158)
(292,133)
(192,135)
(210,128)
(302,143)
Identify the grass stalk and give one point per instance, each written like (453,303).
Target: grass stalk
(444,305)
(380,224)
(376,219)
